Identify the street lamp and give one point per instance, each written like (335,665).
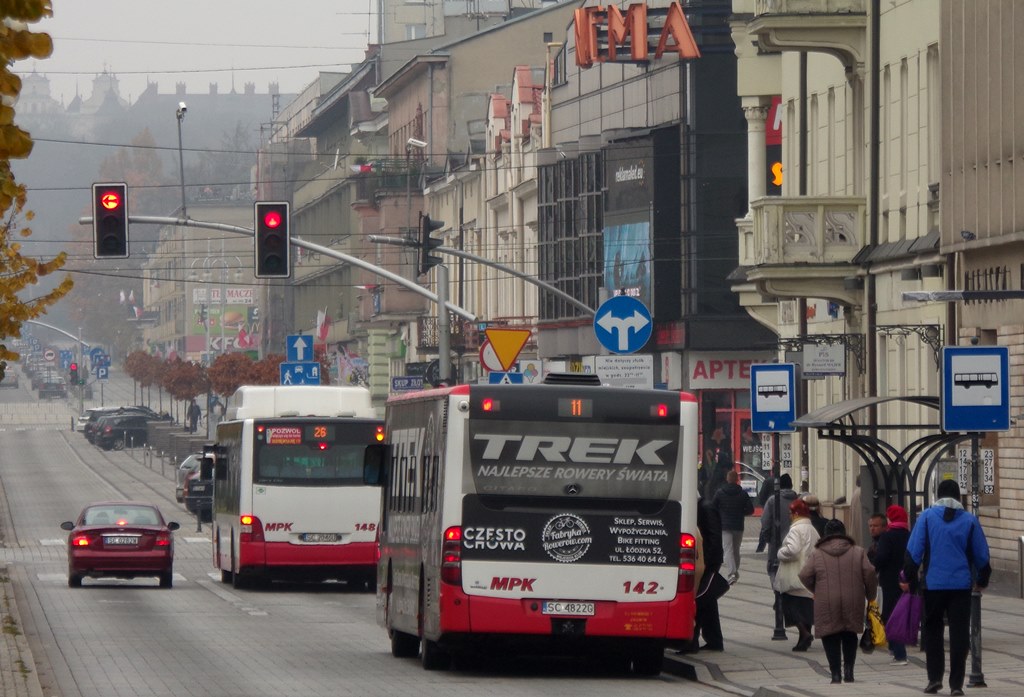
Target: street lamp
(180,113)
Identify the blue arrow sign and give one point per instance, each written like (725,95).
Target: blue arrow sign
(95,352)
(623,324)
(302,373)
(298,348)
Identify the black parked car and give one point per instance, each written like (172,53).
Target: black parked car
(97,413)
(115,432)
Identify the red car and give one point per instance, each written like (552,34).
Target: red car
(120,539)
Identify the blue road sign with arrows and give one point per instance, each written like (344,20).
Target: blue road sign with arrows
(623,324)
(298,348)
(975,389)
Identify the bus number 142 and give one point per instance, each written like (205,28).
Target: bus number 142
(641,587)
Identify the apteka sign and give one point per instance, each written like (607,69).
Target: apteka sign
(605,34)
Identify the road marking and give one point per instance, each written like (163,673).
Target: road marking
(63,578)
(217,589)
(53,542)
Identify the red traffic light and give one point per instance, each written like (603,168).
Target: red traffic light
(74,367)
(110,200)
(272,219)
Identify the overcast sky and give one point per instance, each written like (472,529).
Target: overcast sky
(199,42)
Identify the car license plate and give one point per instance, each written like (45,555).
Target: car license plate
(120,540)
(320,537)
(565,607)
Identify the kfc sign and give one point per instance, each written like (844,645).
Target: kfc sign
(605,34)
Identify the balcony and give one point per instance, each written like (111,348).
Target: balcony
(465,336)
(804,247)
(838,27)
(387,174)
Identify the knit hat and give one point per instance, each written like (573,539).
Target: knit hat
(835,527)
(785,482)
(812,501)
(896,514)
(948,489)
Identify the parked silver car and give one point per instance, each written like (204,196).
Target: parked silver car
(189,465)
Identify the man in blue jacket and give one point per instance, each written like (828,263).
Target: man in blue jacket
(950,545)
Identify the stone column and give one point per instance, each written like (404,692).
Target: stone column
(755,109)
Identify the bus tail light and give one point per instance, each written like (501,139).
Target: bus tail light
(451,556)
(687,562)
(251,529)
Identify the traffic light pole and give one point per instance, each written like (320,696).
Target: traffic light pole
(297,242)
(444,327)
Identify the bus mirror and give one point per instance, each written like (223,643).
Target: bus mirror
(374,461)
(220,470)
(206,468)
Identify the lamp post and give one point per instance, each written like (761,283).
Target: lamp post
(180,113)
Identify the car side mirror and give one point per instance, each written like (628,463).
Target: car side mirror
(172,526)
(67,525)
(375,464)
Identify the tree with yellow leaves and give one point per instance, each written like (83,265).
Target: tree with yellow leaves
(16,271)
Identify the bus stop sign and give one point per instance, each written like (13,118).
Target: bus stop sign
(772,397)
(975,389)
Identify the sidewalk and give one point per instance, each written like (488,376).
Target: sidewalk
(755,664)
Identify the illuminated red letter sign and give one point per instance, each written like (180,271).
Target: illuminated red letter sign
(600,32)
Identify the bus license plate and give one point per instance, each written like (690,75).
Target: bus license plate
(563,607)
(120,540)
(319,537)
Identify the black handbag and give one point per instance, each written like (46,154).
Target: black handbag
(715,586)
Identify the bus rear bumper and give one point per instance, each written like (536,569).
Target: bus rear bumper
(670,621)
(285,560)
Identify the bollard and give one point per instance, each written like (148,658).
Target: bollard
(1020,566)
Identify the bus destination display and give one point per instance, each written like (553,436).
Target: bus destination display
(296,435)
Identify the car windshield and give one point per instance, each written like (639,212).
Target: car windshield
(121,515)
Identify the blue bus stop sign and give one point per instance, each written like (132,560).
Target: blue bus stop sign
(772,397)
(975,389)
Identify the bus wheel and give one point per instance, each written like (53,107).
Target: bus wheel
(432,656)
(225,576)
(240,582)
(404,645)
(648,660)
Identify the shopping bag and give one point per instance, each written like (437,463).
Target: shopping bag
(905,620)
(875,624)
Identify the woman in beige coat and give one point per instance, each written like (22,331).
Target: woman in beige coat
(843,580)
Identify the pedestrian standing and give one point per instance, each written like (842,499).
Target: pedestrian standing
(877,524)
(842,580)
(948,547)
(787,496)
(733,506)
(817,519)
(888,561)
(193,414)
(797,600)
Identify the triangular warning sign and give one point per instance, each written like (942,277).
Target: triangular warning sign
(507,344)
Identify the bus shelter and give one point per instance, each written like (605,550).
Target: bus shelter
(903,476)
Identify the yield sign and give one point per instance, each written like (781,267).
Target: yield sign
(507,344)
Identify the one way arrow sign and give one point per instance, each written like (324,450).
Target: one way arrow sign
(298,348)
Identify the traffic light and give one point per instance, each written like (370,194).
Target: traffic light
(272,240)
(73,373)
(110,221)
(428,243)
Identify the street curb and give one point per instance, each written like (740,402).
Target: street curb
(16,661)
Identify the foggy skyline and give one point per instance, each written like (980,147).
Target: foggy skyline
(237,42)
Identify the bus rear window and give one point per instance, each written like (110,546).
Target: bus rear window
(310,454)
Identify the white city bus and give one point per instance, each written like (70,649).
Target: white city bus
(289,498)
(554,517)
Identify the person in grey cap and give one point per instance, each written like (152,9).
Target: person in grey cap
(817,520)
(768,520)
(950,545)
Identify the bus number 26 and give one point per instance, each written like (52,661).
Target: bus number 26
(366,526)
(641,587)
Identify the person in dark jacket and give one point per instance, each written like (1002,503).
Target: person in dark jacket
(733,506)
(707,620)
(788,496)
(949,542)
(888,561)
(817,519)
